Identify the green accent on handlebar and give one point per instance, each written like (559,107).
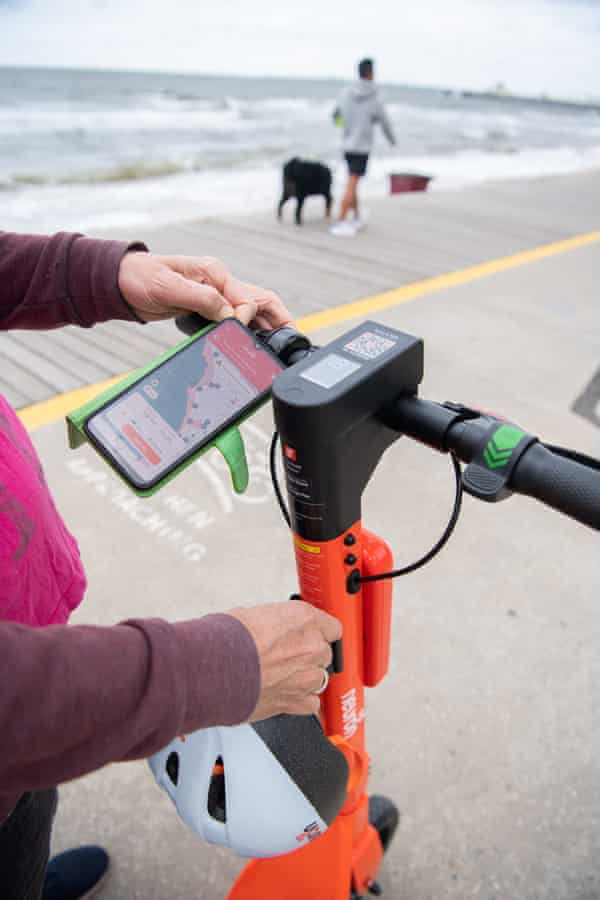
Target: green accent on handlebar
(229,442)
(499,449)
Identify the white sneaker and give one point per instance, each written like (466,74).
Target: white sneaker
(343,229)
(360,222)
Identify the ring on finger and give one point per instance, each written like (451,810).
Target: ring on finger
(324,682)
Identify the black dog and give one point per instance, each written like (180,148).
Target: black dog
(301,179)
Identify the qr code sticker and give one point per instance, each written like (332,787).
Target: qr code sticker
(369,345)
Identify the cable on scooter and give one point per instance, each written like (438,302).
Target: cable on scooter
(394,573)
(405,570)
(275,480)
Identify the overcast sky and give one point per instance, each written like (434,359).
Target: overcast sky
(532,46)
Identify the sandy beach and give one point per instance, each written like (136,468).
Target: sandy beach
(486,732)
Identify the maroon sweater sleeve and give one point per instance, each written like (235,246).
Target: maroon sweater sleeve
(73,698)
(66,279)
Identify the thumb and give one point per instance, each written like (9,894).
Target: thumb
(183,293)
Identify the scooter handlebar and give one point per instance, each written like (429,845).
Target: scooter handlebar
(191,323)
(566,481)
(286,342)
(564,484)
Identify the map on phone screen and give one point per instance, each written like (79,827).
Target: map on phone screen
(184,402)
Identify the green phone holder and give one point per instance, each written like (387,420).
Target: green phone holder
(229,442)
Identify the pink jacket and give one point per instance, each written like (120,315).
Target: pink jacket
(42,574)
(46,282)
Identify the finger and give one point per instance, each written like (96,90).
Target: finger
(203,269)
(325,657)
(317,680)
(329,626)
(266,321)
(183,293)
(318,652)
(245,312)
(306,680)
(309,706)
(269,304)
(272,308)
(208,269)
(262,321)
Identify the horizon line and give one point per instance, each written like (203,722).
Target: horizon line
(490,92)
(203,74)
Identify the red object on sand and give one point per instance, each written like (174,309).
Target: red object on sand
(400,182)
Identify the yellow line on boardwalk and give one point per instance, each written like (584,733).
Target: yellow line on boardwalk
(408,292)
(56,407)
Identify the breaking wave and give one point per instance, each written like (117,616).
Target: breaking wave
(109,147)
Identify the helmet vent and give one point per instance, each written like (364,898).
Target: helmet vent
(216,792)
(172,767)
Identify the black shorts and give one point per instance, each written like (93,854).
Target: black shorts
(357,163)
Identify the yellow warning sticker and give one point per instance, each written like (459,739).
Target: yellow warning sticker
(307,547)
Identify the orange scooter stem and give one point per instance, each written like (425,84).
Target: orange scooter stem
(330,413)
(346,858)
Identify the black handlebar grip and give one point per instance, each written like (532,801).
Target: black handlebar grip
(562,483)
(192,323)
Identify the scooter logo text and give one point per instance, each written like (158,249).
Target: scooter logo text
(351,716)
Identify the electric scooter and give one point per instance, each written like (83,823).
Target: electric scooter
(293,791)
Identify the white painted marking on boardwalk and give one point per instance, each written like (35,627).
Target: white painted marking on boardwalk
(222,491)
(173,518)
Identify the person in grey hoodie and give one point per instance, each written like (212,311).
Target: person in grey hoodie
(358,110)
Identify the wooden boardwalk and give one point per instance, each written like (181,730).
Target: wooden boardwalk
(485,732)
(410,237)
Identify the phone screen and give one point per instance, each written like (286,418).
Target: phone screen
(172,411)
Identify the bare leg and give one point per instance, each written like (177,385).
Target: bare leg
(349,200)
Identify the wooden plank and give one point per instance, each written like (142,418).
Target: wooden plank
(12,393)
(151,338)
(28,384)
(112,349)
(453,244)
(287,275)
(64,349)
(51,374)
(254,257)
(410,237)
(101,344)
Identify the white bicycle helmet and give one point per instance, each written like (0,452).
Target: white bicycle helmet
(262,789)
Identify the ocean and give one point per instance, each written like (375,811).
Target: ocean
(85,150)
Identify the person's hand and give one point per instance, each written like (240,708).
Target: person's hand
(161,287)
(293,642)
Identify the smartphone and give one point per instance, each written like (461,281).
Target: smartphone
(174,410)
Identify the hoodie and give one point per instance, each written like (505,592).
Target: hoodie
(75,698)
(361,108)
